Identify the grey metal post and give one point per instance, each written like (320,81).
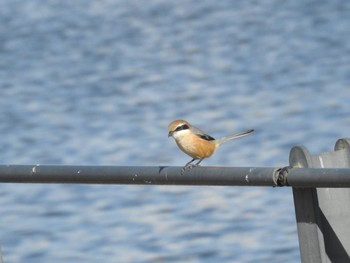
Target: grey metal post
(323,214)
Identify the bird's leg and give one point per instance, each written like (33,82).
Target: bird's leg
(198,162)
(188,165)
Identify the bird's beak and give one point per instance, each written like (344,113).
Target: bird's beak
(170,134)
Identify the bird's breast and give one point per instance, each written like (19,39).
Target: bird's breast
(196,147)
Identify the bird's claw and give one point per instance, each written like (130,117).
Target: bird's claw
(188,167)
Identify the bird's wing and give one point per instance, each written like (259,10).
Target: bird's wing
(201,134)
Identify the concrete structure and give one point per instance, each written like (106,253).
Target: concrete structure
(323,214)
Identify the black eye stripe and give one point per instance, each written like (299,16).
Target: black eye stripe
(182,127)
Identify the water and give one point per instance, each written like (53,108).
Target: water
(97,82)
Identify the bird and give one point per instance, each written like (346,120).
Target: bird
(196,143)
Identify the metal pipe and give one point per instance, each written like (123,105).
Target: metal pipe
(241,176)
(319,177)
(166,175)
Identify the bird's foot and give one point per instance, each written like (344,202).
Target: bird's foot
(188,167)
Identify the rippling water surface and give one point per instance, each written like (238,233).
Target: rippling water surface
(97,82)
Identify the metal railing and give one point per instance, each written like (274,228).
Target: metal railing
(321,190)
(215,176)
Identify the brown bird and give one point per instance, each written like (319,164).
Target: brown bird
(196,143)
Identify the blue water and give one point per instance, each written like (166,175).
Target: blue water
(97,83)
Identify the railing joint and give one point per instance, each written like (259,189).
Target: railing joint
(282,176)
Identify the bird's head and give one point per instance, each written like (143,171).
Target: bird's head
(178,128)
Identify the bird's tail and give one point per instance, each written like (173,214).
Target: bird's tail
(233,136)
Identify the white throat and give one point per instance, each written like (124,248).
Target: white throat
(180,134)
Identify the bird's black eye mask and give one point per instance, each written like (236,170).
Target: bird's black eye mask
(182,127)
